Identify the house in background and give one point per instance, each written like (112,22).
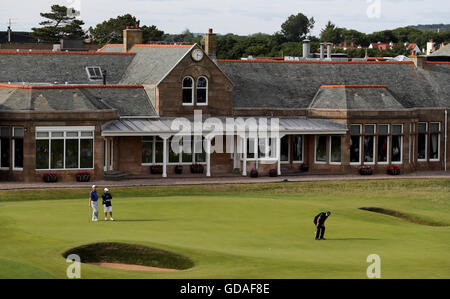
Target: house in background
(112,113)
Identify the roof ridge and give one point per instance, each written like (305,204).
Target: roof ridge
(71,86)
(64,52)
(315,61)
(159,46)
(355,86)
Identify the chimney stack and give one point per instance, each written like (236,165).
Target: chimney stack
(211,44)
(306,48)
(322,51)
(329,50)
(132,35)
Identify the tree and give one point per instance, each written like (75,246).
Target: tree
(331,34)
(59,25)
(296,27)
(111,31)
(151,33)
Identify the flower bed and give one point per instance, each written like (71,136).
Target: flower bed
(156,169)
(197,168)
(394,170)
(365,170)
(49,177)
(273,172)
(179,169)
(83,176)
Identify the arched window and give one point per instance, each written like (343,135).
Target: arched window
(202,91)
(188,91)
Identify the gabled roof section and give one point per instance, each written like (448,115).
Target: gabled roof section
(355,97)
(60,67)
(127,100)
(153,62)
(286,85)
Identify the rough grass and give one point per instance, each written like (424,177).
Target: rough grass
(130,254)
(408,217)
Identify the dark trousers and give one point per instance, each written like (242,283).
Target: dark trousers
(320,231)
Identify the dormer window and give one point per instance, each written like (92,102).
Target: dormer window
(188,91)
(202,91)
(94,73)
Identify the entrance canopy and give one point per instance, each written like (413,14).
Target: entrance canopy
(157,126)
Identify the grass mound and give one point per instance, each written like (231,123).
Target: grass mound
(410,218)
(130,254)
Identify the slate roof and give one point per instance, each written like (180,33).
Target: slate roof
(438,76)
(444,51)
(49,67)
(355,98)
(111,48)
(294,85)
(128,101)
(153,62)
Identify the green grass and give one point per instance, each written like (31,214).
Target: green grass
(237,231)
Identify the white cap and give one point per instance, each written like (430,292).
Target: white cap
(93,186)
(106,190)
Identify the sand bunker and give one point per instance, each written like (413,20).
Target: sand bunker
(130,257)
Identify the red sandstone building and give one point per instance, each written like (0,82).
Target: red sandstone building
(111,112)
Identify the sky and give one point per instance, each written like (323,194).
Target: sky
(241,17)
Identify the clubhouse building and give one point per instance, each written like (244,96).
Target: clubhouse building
(112,112)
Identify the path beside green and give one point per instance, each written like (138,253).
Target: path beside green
(237,231)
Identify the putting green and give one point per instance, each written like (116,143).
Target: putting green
(237,231)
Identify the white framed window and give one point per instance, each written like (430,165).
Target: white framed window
(383,144)
(422,142)
(369,143)
(355,144)
(188,91)
(435,141)
(335,150)
(17,148)
(94,73)
(61,148)
(4,148)
(397,144)
(202,91)
(320,151)
(191,151)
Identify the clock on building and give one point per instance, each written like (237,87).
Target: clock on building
(197,54)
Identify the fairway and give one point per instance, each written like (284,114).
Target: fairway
(237,231)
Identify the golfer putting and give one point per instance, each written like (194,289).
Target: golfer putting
(93,202)
(107,205)
(319,222)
